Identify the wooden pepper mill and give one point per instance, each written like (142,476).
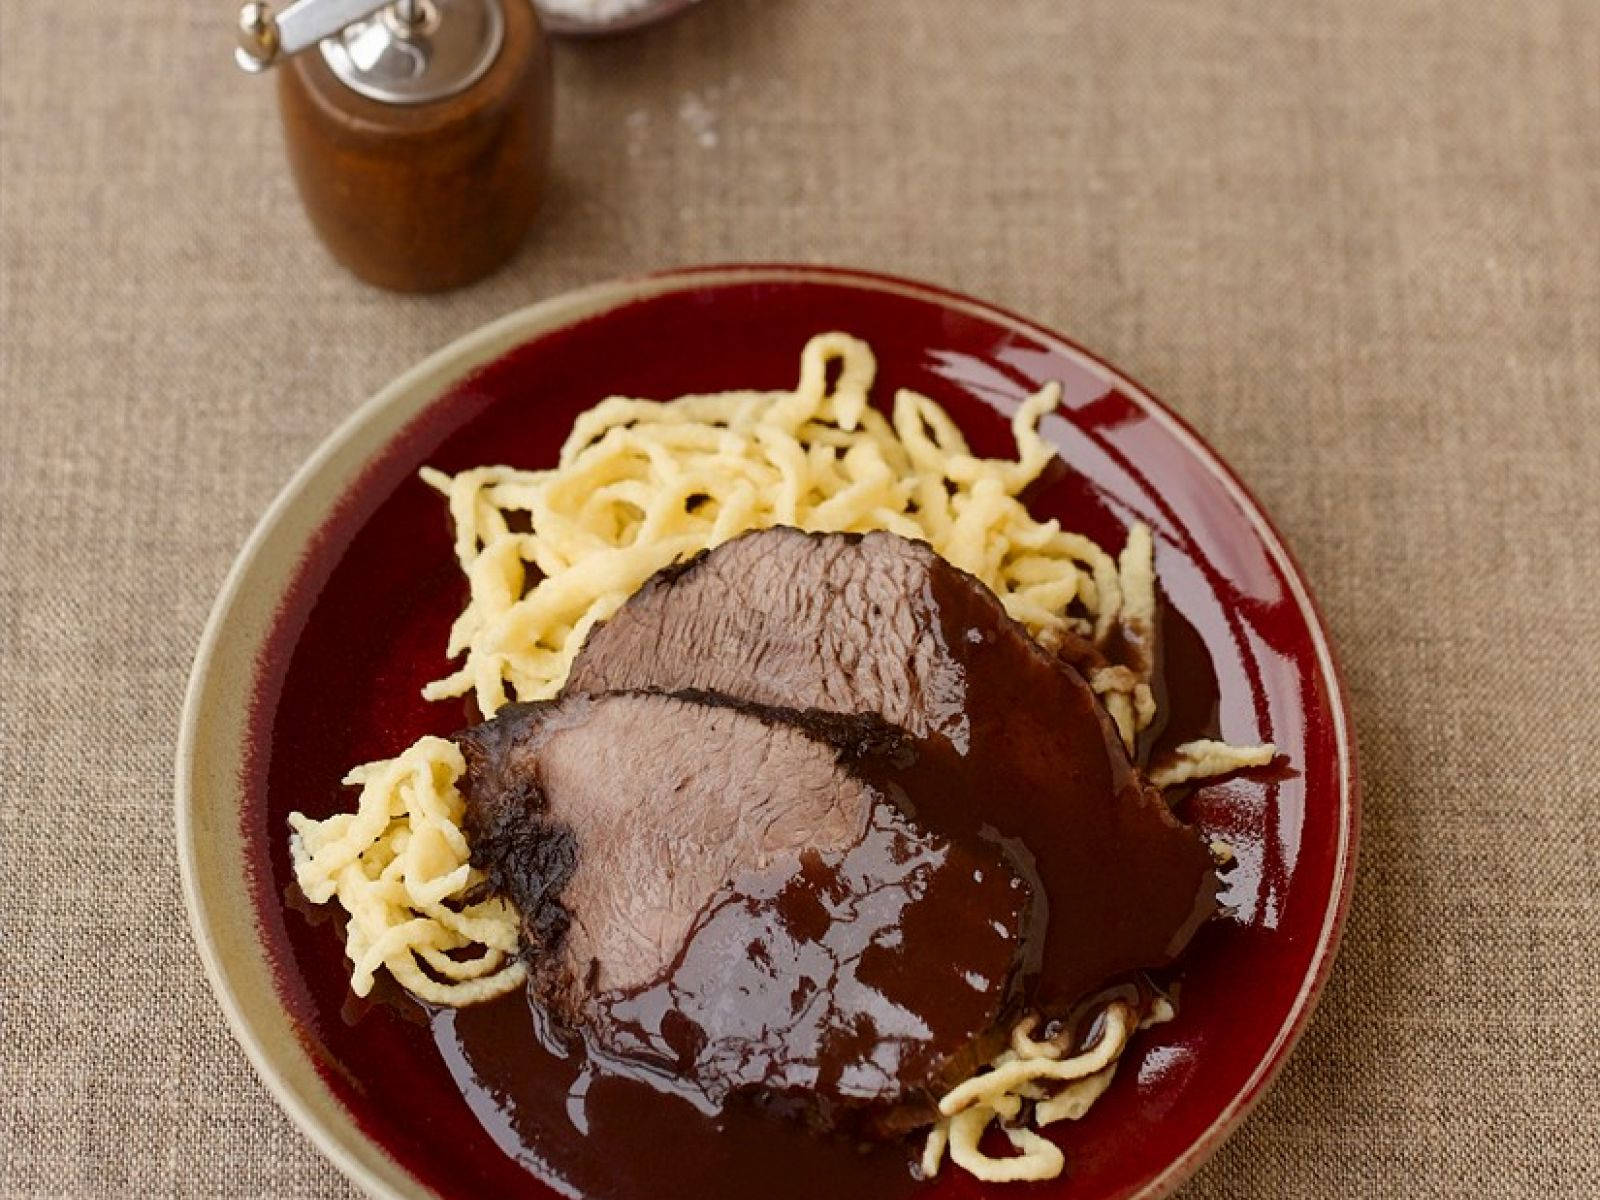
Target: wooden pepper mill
(418,132)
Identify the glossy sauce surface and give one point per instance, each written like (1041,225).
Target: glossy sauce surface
(827,986)
(471,1101)
(1026,752)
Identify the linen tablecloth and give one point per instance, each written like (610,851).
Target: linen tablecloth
(1357,244)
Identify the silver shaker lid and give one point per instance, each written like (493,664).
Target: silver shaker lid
(393,51)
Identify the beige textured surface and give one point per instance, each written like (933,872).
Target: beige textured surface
(1357,243)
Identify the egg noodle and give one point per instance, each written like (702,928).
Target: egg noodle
(641,484)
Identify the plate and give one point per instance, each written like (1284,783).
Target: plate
(336,612)
(650,12)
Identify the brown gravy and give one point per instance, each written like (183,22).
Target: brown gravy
(589,1130)
(860,970)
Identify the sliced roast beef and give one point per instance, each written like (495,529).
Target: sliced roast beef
(1010,738)
(736,901)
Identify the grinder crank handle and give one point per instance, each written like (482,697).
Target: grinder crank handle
(265,37)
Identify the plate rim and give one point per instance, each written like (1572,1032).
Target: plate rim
(469,350)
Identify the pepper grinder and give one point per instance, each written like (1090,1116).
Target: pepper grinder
(418,131)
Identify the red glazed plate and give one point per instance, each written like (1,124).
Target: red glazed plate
(337,610)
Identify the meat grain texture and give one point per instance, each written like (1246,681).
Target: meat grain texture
(1011,738)
(732,899)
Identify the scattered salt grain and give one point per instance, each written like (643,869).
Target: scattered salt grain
(638,123)
(701,120)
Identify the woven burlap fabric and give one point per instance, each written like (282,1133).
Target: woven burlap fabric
(1357,244)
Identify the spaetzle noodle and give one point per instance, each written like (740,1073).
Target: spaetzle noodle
(398,866)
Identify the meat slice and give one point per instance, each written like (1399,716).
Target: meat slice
(1010,737)
(734,901)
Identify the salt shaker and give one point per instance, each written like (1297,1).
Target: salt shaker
(418,131)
